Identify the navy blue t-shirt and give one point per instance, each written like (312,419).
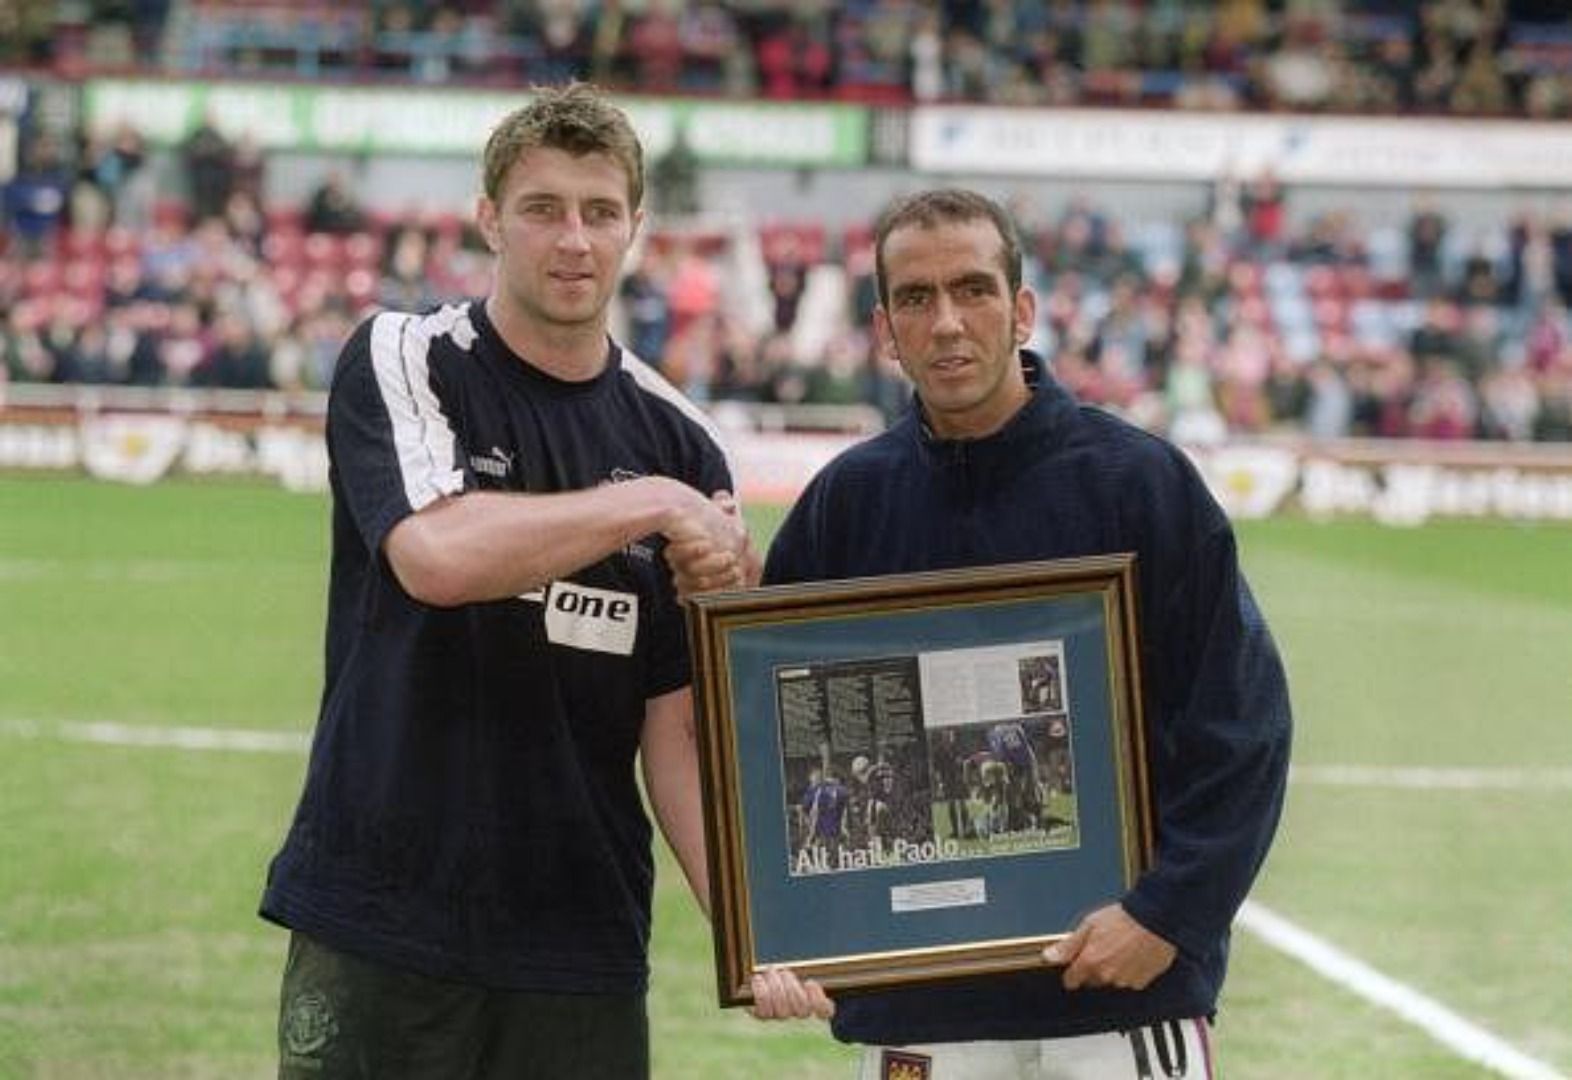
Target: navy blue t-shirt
(470,810)
(1062,480)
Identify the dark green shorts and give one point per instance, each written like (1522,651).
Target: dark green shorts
(342,1017)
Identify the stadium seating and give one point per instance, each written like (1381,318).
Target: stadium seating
(1350,55)
(1257,309)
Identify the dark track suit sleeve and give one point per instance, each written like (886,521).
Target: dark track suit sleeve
(1218,744)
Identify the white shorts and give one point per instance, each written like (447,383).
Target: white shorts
(1180,1048)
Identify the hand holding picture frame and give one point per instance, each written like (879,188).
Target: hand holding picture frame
(918,776)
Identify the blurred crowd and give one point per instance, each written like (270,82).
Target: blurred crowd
(1233,321)
(1246,318)
(1474,57)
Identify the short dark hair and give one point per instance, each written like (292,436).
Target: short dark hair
(575,118)
(927,209)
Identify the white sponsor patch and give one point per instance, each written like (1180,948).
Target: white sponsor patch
(596,619)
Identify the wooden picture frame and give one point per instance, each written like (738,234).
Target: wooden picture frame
(918,776)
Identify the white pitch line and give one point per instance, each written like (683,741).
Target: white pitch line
(180,738)
(1428,778)
(1417,778)
(1463,1037)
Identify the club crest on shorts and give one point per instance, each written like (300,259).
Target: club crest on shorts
(904,1065)
(308,1024)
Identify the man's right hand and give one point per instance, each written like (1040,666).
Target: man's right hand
(707,545)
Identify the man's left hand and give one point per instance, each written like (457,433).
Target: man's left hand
(779,995)
(1110,949)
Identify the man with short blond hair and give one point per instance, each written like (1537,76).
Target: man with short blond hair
(517,504)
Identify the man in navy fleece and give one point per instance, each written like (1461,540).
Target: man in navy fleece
(996,463)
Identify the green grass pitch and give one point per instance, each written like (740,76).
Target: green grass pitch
(129,875)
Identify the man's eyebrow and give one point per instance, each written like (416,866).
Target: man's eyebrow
(977,277)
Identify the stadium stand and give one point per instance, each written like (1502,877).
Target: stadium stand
(1484,57)
(1243,319)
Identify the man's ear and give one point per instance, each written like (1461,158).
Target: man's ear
(486,221)
(1025,315)
(884,334)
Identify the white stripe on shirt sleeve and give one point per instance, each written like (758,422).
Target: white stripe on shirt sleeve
(422,436)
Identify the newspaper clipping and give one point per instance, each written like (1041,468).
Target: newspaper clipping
(938,756)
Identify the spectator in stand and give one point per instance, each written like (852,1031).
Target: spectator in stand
(1204,262)
(708,35)
(1554,421)
(1392,387)
(656,46)
(1548,337)
(1443,406)
(785,379)
(107,166)
(237,360)
(1121,343)
(1508,405)
(1531,269)
(796,59)
(1480,86)
(91,358)
(245,222)
(60,336)
(333,208)
(693,290)
(1437,335)
(404,284)
(144,366)
(691,354)
(36,197)
(148,19)
(926,57)
(1266,214)
(186,345)
(838,378)
(1300,72)
(26,29)
(564,39)
(1329,405)
(788,278)
(289,360)
(1479,284)
(23,357)
(1561,252)
(645,307)
(323,328)
(1391,72)
(736,364)
(674,177)
(1243,368)
(250,169)
(608,62)
(1547,96)
(209,159)
(1427,229)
